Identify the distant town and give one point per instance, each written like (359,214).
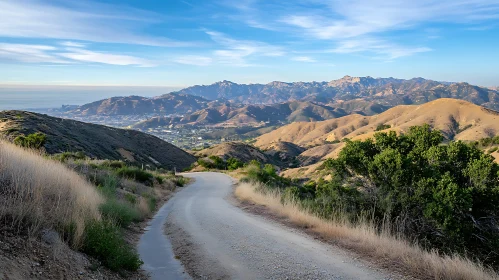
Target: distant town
(189,137)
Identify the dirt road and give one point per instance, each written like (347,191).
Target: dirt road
(217,240)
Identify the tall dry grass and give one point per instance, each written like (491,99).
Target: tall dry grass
(365,239)
(38,193)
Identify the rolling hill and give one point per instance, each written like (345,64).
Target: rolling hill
(249,115)
(95,141)
(137,105)
(239,150)
(457,119)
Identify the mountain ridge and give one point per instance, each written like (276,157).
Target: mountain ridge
(386,90)
(137,105)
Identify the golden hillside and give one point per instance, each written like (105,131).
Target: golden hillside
(457,119)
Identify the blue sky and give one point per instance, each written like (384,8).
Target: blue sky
(187,42)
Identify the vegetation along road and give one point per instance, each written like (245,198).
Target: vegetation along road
(216,240)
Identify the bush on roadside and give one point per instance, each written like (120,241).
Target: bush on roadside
(234,163)
(443,196)
(104,241)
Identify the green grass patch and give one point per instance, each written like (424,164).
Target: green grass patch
(104,241)
(134,173)
(152,201)
(121,212)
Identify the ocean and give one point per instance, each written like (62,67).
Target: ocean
(44,97)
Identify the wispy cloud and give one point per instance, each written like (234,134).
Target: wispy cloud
(29,53)
(236,52)
(381,49)
(194,60)
(43,54)
(105,58)
(344,22)
(72,44)
(303,59)
(338,19)
(79,20)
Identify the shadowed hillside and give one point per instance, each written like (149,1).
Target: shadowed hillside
(137,105)
(95,141)
(250,115)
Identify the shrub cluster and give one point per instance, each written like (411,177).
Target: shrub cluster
(215,162)
(32,141)
(266,174)
(104,241)
(382,127)
(136,174)
(444,196)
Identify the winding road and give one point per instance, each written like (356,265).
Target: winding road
(217,240)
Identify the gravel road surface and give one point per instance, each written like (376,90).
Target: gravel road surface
(217,240)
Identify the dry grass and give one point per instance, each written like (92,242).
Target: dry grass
(363,238)
(442,114)
(38,193)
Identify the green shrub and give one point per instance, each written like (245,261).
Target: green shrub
(106,183)
(160,179)
(266,174)
(114,164)
(446,195)
(213,162)
(234,163)
(336,141)
(70,155)
(181,181)
(121,212)
(383,127)
(151,201)
(131,198)
(32,141)
(104,241)
(134,173)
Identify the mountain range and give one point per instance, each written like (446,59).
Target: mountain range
(228,103)
(384,91)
